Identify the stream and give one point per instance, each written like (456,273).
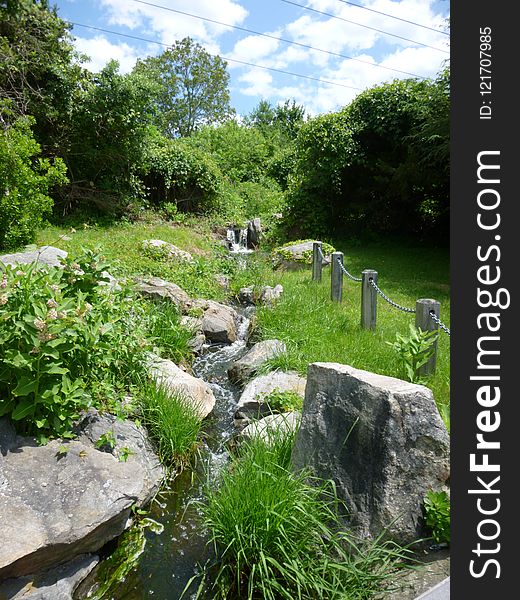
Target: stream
(171,558)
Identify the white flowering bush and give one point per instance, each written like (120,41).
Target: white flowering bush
(62,337)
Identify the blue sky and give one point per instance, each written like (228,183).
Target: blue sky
(378,56)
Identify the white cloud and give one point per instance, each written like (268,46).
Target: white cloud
(169,26)
(254,47)
(100,51)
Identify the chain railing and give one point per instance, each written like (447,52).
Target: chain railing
(342,267)
(436,319)
(426,311)
(391,302)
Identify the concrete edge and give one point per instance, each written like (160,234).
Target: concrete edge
(441,591)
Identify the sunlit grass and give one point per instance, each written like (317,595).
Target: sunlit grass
(276,536)
(315,329)
(172,422)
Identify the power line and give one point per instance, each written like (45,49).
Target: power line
(273,37)
(320,12)
(394,17)
(135,37)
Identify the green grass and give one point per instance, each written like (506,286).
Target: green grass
(171,421)
(276,536)
(318,330)
(313,328)
(169,337)
(121,244)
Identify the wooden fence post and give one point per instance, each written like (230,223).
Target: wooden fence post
(336,277)
(423,307)
(317,263)
(368,300)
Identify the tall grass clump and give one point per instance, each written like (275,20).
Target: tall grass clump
(276,536)
(172,422)
(170,338)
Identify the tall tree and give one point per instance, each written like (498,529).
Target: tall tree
(192,88)
(38,73)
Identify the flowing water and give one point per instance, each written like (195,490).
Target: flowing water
(171,558)
(237,241)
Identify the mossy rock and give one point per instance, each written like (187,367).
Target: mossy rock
(300,251)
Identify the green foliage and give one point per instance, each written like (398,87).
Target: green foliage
(283,401)
(306,257)
(171,421)
(169,338)
(175,172)
(108,131)
(414,350)
(275,534)
(381,163)
(37,68)
(437,514)
(58,350)
(282,121)
(24,183)
(106,441)
(240,152)
(192,87)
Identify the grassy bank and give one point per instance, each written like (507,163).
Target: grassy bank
(314,328)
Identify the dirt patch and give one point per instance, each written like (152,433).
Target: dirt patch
(435,569)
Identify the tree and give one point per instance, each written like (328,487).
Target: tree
(108,131)
(381,164)
(37,69)
(192,88)
(24,182)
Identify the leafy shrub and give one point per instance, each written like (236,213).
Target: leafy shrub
(178,173)
(24,184)
(414,350)
(63,340)
(437,512)
(306,258)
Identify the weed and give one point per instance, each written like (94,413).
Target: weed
(172,422)
(106,441)
(437,513)
(414,350)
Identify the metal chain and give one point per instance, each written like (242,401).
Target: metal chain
(321,253)
(342,266)
(385,297)
(439,323)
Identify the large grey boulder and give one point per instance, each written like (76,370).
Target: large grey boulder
(156,288)
(380,439)
(58,583)
(69,498)
(195,390)
(219,322)
(45,255)
(261,352)
(162,249)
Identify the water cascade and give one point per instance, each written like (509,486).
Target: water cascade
(237,240)
(171,558)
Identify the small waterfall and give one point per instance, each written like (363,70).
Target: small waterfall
(237,240)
